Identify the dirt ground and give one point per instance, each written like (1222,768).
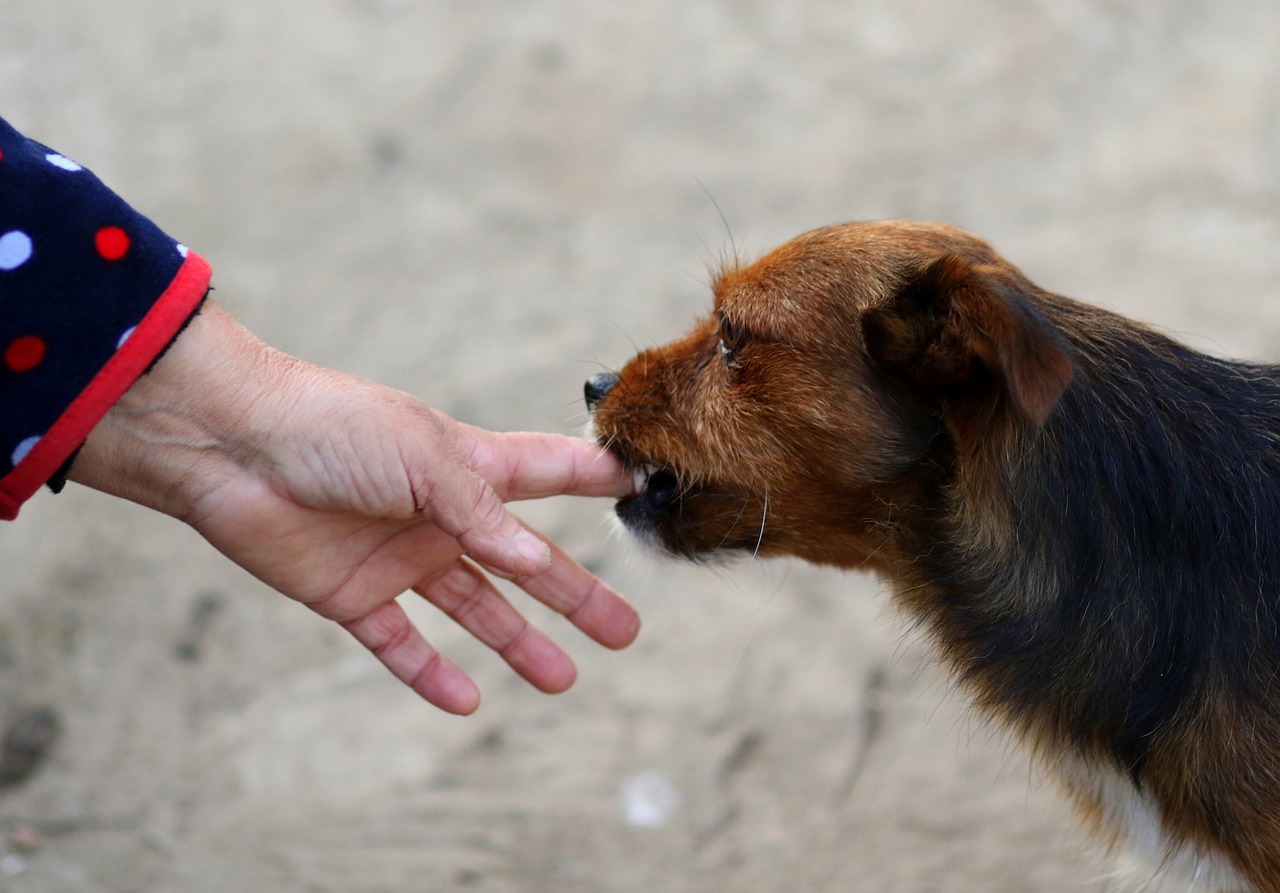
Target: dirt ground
(484,203)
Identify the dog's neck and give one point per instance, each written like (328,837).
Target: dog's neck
(1067,576)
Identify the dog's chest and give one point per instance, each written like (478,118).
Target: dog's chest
(1149,858)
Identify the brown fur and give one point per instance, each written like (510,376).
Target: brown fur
(1082,510)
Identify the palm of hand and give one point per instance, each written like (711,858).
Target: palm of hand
(347,533)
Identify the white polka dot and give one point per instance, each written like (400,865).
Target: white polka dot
(125,337)
(23,448)
(183,249)
(63,162)
(15,249)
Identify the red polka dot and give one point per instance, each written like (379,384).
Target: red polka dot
(24,354)
(112,242)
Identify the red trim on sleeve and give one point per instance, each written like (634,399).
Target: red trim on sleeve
(157,329)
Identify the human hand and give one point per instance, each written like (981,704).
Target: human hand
(344,494)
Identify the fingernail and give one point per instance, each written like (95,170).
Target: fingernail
(533,550)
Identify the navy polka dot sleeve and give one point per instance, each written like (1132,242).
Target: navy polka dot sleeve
(91,292)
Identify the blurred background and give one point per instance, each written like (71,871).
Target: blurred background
(485,203)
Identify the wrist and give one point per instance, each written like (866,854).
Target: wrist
(179,431)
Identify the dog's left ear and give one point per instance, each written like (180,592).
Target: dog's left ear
(955,322)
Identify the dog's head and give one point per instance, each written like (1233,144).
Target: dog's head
(832,374)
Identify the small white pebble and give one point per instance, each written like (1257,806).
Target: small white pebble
(649,799)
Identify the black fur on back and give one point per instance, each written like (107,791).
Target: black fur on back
(1139,577)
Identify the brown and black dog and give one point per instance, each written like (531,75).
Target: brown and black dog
(1083,511)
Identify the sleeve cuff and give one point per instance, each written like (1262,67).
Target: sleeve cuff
(138,350)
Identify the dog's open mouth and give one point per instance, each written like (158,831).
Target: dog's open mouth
(657,487)
(685,516)
(655,511)
(655,483)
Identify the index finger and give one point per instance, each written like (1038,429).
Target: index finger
(527,465)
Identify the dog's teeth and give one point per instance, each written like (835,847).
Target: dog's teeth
(642,475)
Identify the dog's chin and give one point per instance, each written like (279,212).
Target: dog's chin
(667,540)
(644,536)
(678,518)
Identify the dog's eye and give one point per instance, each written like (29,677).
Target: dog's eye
(731,338)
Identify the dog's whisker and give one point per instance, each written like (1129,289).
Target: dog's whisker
(737,261)
(597,363)
(733,525)
(764,516)
(635,348)
(757,617)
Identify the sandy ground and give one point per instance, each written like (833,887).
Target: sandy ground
(483,203)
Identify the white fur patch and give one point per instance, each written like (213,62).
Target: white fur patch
(1149,860)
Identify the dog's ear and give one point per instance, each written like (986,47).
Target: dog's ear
(955,323)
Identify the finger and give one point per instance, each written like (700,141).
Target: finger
(570,589)
(466,508)
(394,640)
(465,594)
(532,466)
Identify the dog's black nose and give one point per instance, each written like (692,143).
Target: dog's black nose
(597,386)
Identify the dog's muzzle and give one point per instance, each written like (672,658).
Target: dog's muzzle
(657,489)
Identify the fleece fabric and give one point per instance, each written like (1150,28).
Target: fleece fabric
(91,292)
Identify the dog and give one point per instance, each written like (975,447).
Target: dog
(1081,511)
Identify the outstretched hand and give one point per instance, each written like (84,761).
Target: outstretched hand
(343,494)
